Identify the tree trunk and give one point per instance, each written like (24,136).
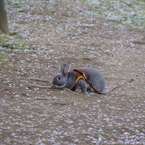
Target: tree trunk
(3,18)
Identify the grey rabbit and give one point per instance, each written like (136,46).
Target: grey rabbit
(66,79)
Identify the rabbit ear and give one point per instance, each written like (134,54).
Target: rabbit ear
(64,69)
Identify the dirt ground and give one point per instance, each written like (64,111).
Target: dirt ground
(69,32)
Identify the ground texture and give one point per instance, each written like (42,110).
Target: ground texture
(44,35)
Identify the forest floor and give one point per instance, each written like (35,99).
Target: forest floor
(43,36)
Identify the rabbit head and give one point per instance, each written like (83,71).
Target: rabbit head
(60,79)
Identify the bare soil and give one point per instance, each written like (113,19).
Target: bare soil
(69,32)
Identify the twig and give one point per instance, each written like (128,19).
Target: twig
(50,87)
(39,86)
(10,82)
(39,80)
(70,90)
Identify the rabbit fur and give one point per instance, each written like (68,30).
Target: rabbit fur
(66,79)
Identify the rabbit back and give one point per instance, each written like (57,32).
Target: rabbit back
(96,79)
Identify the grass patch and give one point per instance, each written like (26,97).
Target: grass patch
(96,136)
(27,48)
(1,54)
(14,43)
(126,12)
(17,5)
(22,11)
(99,12)
(4,39)
(1,82)
(24,75)
(15,34)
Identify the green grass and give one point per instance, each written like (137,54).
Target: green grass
(4,38)
(96,136)
(26,48)
(1,54)
(15,33)
(24,75)
(17,5)
(18,42)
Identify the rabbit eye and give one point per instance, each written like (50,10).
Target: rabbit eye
(58,78)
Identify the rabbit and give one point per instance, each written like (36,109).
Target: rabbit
(66,79)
